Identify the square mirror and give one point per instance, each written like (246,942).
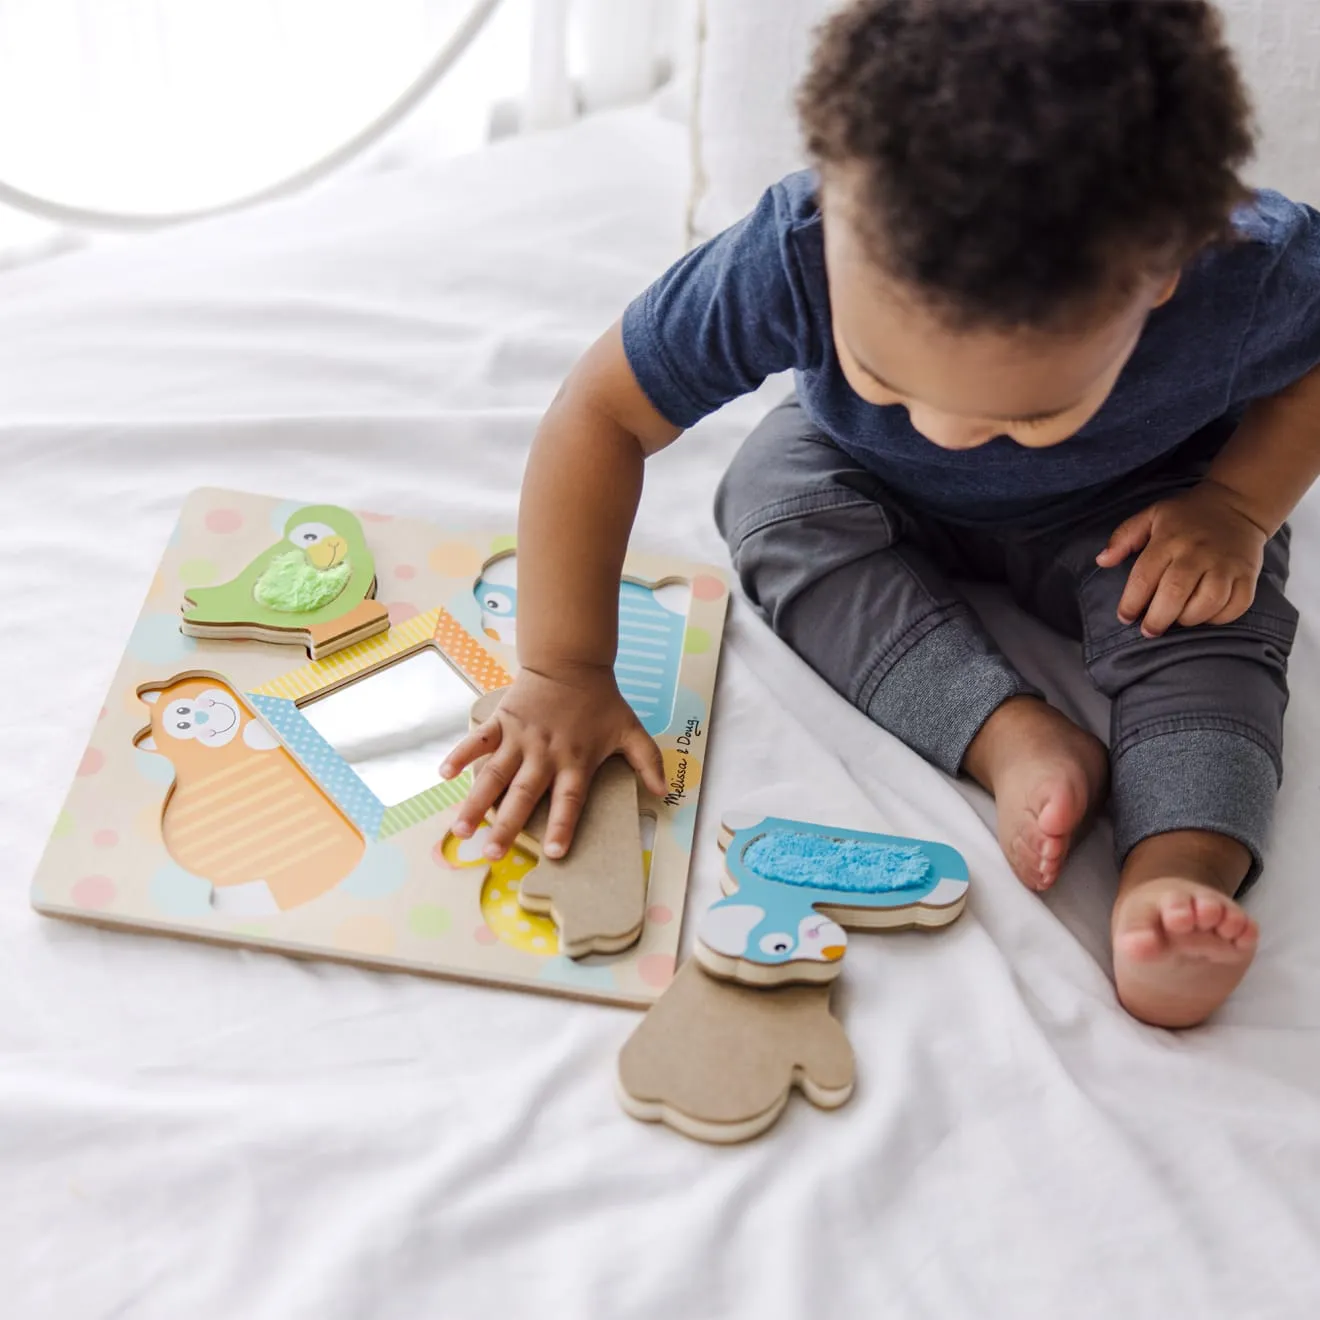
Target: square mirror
(395,726)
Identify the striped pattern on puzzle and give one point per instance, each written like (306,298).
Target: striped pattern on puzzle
(425,805)
(332,774)
(463,650)
(277,702)
(352,660)
(259,819)
(478,665)
(650,652)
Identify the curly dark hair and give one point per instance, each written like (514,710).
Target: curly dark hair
(1023,162)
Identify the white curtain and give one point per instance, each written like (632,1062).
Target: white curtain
(171,105)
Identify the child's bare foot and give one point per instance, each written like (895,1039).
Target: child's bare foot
(1180,944)
(1048,778)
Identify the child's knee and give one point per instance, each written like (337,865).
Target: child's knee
(1217,666)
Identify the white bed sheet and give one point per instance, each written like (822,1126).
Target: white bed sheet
(195,1132)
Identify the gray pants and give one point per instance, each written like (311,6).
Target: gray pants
(860,588)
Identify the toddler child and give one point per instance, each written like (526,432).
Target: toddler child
(1043,335)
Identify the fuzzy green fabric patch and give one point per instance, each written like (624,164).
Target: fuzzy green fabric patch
(293,586)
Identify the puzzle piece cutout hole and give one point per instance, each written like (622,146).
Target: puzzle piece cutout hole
(652,634)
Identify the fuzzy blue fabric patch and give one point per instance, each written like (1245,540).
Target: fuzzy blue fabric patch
(819,862)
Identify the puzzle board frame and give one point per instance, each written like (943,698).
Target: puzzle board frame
(406,906)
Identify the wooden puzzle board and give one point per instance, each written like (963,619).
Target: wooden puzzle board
(410,902)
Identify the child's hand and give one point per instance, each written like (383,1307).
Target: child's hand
(549,734)
(1201,558)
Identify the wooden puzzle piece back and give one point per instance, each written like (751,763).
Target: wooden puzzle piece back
(718,1061)
(596,895)
(748,1017)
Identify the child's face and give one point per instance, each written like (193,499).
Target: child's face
(961,389)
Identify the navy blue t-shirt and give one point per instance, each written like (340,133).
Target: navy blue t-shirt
(1243,324)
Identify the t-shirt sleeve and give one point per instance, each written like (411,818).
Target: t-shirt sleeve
(722,320)
(1282,341)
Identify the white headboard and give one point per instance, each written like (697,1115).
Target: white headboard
(1278,43)
(754,51)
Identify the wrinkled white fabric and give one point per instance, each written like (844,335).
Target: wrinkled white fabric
(195,1132)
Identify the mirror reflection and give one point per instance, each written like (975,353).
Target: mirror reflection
(395,726)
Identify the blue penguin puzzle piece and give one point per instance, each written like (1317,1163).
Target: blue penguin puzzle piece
(791,876)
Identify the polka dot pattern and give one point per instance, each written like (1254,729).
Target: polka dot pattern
(162,592)
(696,641)
(505,919)
(690,765)
(656,969)
(63,826)
(94,892)
(154,768)
(578,976)
(705,587)
(353,660)
(365,934)
(455,559)
(688,706)
(178,893)
(330,771)
(224,521)
(683,824)
(156,640)
(430,912)
(92,761)
(428,921)
(198,572)
(382,871)
(282,512)
(469,654)
(463,606)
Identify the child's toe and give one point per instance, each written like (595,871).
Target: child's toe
(1249,936)
(1024,856)
(1210,911)
(1233,923)
(1051,847)
(1141,943)
(1179,916)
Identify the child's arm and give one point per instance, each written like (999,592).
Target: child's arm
(564,715)
(1201,552)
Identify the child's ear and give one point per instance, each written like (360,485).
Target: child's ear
(1168,290)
